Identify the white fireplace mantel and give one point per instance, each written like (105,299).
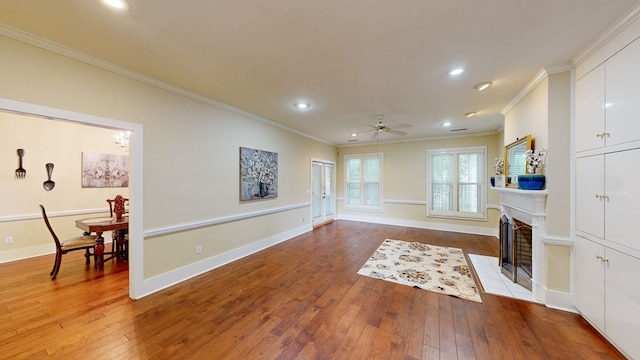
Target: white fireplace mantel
(528,206)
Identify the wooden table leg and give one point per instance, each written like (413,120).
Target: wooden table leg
(121,248)
(99,251)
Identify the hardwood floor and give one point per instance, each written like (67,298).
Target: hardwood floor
(301,299)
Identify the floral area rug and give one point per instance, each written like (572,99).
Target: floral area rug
(434,268)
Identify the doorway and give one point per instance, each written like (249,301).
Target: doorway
(136,270)
(323,192)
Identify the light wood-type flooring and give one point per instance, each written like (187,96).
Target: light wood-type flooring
(301,299)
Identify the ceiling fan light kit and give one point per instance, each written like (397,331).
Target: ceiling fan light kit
(381,127)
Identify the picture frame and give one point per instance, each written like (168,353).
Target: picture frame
(258,174)
(104,170)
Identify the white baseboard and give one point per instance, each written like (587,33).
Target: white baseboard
(478,230)
(559,300)
(162,281)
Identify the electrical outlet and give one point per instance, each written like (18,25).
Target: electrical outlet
(198,249)
(8,240)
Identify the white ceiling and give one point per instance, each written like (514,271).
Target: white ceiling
(350,59)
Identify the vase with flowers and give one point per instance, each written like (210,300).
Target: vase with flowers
(534,179)
(498,166)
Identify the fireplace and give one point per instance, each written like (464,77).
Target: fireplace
(522,227)
(516,251)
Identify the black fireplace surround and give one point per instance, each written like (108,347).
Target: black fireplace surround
(516,247)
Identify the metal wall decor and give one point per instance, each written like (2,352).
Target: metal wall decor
(104,170)
(49,184)
(258,174)
(21,173)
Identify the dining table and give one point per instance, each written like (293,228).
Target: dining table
(99,226)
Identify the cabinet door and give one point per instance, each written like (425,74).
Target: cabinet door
(590,185)
(588,281)
(621,207)
(622,297)
(590,110)
(622,89)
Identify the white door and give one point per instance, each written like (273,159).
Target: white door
(322,192)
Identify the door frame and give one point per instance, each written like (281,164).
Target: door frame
(335,201)
(136,228)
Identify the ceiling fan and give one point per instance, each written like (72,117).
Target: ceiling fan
(380,127)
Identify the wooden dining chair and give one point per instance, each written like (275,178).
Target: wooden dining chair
(85,242)
(114,234)
(111,201)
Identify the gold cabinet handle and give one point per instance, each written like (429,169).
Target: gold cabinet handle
(603,135)
(602,259)
(602,197)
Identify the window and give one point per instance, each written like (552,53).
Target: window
(455,183)
(363,182)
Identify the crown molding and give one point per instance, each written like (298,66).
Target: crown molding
(540,76)
(54,47)
(606,36)
(598,43)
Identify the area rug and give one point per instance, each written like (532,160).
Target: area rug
(434,268)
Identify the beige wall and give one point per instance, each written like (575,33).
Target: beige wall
(405,181)
(545,113)
(190,169)
(529,117)
(558,162)
(191,153)
(60,143)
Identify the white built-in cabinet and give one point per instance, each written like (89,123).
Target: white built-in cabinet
(607,102)
(606,255)
(607,284)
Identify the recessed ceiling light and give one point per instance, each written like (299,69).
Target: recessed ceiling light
(354,134)
(483,85)
(456,72)
(446,124)
(471,114)
(302,105)
(116,4)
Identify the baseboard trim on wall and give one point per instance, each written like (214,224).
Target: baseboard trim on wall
(184,273)
(424,225)
(559,300)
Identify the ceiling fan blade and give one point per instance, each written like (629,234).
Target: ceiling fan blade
(402,126)
(397,132)
(374,135)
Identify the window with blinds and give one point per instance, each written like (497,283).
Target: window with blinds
(363,177)
(455,183)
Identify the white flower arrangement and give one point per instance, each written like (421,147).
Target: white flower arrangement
(498,165)
(535,160)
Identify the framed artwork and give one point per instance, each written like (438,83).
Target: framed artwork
(258,174)
(104,170)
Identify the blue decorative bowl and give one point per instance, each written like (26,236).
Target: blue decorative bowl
(531,182)
(493,181)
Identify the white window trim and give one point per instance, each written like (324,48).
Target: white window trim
(482,215)
(369,208)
